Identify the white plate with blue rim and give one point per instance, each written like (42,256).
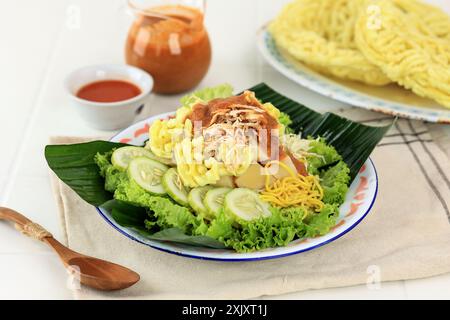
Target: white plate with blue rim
(360,199)
(391,99)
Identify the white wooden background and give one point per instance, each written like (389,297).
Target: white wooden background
(41,42)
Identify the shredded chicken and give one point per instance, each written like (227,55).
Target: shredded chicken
(233,123)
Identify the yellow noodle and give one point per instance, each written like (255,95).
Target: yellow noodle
(320,33)
(294,190)
(430,20)
(411,44)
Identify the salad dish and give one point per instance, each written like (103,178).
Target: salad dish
(244,176)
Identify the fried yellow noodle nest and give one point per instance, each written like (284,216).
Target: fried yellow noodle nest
(320,33)
(410,42)
(428,19)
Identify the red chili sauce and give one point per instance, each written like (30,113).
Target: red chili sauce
(109,91)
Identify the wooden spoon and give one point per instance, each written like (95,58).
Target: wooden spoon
(93,272)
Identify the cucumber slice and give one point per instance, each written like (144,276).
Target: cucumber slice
(196,197)
(165,161)
(174,187)
(245,204)
(169,162)
(121,157)
(147,173)
(214,200)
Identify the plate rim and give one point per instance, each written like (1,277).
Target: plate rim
(342,93)
(249,259)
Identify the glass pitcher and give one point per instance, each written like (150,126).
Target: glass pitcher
(168,40)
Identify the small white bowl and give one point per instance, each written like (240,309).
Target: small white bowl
(110,115)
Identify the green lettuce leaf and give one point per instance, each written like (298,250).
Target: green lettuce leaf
(207,94)
(334,182)
(166,213)
(321,223)
(286,121)
(282,227)
(322,156)
(334,173)
(113,176)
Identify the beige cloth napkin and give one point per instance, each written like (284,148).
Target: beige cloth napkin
(406,236)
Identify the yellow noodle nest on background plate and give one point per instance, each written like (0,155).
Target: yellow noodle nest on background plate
(320,33)
(428,19)
(410,44)
(371,41)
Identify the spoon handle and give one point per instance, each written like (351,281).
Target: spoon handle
(24,225)
(34,230)
(92,272)
(13,216)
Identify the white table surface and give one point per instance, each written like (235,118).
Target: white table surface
(42,41)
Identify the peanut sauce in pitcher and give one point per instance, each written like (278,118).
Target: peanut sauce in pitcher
(170,43)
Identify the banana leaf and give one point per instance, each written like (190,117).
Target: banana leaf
(132,217)
(74,164)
